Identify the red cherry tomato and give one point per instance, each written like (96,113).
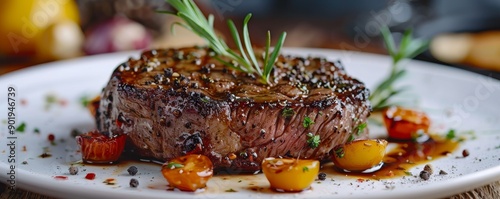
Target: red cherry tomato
(98,148)
(405,124)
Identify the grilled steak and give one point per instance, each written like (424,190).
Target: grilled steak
(174,102)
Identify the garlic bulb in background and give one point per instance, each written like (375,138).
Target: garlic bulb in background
(117,34)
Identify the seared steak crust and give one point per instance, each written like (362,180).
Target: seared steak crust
(177,101)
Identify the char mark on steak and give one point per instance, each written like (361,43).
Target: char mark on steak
(173,102)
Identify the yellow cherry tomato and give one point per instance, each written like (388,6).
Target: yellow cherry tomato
(188,173)
(405,124)
(359,155)
(290,174)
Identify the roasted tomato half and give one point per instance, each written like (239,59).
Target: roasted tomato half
(359,155)
(406,124)
(100,149)
(290,175)
(189,172)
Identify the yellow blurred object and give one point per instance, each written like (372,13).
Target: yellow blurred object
(61,40)
(485,51)
(23,22)
(477,49)
(451,48)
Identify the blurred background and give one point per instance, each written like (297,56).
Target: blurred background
(463,33)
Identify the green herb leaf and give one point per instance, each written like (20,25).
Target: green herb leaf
(50,99)
(307,122)
(36,130)
(231,190)
(21,127)
(408,173)
(268,66)
(388,41)
(313,140)
(351,138)
(84,101)
(305,169)
(248,43)
(174,165)
(287,112)
(339,152)
(451,134)
(246,60)
(360,128)
(204,99)
(237,41)
(266,53)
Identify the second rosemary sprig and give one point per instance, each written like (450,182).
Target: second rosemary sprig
(408,49)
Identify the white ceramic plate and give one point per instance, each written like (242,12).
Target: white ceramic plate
(454,99)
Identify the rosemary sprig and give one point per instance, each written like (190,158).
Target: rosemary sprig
(408,49)
(246,59)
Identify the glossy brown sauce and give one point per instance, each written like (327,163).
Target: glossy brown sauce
(403,157)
